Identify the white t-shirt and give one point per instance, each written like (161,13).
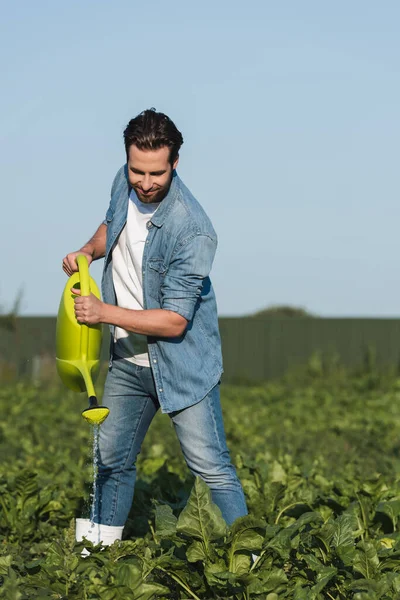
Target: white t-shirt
(127,277)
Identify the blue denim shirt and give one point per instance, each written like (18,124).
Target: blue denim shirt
(177,259)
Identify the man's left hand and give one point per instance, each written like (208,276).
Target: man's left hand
(88,309)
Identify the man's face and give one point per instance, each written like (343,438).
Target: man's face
(150,173)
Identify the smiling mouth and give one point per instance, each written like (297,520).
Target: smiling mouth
(149,193)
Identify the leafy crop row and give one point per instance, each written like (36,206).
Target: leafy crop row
(319,462)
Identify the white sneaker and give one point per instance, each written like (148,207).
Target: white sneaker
(96,533)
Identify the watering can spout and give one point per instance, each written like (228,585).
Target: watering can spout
(95,414)
(78,345)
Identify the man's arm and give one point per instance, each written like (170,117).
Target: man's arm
(95,248)
(180,292)
(155,322)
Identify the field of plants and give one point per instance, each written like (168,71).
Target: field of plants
(319,458)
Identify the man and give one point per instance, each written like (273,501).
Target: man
(158,247)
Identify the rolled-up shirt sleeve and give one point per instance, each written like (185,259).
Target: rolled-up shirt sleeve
(117,181)
(183,282)
(109,215)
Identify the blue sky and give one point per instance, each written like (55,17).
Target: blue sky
(290,116)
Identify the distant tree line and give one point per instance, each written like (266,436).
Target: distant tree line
(279,311)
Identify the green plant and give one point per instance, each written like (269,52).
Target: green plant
(318,457)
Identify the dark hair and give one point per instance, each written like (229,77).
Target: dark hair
(151,130)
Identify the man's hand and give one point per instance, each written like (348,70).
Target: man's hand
(88,309)
(69,264)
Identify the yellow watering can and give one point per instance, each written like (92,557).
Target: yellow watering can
(78,345)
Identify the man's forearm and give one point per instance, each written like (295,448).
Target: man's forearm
(156,322)
(96,246)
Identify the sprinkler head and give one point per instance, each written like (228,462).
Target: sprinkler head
(96,415)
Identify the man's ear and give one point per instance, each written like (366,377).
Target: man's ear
(175,163)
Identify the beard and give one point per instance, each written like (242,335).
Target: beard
(157,194)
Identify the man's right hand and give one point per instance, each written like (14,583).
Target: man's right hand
(69,262)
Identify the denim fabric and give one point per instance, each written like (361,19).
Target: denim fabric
(177,260)
(131,397)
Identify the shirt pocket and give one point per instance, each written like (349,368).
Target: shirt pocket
(156,274)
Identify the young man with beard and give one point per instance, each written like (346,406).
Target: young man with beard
(158,247)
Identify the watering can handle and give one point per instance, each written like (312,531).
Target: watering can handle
(84,279)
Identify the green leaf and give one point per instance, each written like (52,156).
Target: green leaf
(146,591)
(217,576)
(364,589)
(343,533)
(323,578)
(325,534)
(277,473)
(366,560)
(269,581)
(306,519)
(165,520)
(281,543)
(196,552)
(240,563)
(5,563)
(245,534)
(247,540)
(10,588)
(391,509)
(303,593)
(313,562)
(201,518)
(116,592)
(346,554)
(287,538)
(130,575)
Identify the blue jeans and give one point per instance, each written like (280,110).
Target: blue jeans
(130,395)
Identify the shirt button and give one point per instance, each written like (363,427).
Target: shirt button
(160,389)
(149,225)
(154,360)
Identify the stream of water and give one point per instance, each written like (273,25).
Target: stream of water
(96,429)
